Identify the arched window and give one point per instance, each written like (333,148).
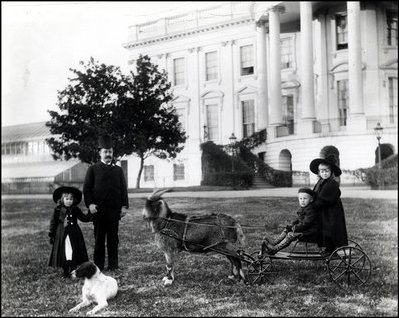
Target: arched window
(284,160)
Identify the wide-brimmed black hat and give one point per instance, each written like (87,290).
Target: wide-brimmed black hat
(330,160)
(104,141)
(77,194)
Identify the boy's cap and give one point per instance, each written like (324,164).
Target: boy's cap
(77,194)
(306,190)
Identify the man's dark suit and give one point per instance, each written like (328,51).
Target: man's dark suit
(105,186)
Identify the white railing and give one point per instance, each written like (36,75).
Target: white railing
(225,12)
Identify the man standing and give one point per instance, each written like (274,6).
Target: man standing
(105,194)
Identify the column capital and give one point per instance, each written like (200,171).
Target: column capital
(277,9)
(262,23)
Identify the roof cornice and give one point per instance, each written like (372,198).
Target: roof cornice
(173,36)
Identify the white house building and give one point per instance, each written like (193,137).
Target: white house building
(313,74)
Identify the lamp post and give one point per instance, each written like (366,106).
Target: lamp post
(232,140)
(378,132)
(205,133)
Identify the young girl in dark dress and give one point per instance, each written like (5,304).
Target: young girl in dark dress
(328,203)
(68,245)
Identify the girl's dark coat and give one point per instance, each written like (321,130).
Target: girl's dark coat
(68,216)
(328,203)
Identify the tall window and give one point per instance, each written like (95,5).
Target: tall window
(182,118)
(286,53)
(343,101)
(288,112)
(211,63)
(247,59)
(149,173)
(392,28)
(248,118)
(342,31)
(393,98)
(212,119)
(178,172)
(178,71)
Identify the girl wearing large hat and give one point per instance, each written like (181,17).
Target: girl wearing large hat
(327,202)
(68,245)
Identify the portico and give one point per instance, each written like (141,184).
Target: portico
(284,17)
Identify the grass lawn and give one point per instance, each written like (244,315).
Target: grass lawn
(299,288)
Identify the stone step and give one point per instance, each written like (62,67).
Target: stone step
(260,183)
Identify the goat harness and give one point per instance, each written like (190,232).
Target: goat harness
(171,233)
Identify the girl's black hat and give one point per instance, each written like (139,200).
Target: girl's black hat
(330,160)
(77,194)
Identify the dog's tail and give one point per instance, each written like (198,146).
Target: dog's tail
(126,288)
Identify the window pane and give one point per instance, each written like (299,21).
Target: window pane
(393,99)
(392,28)
(288,112)
(212,119)
(149,173)
(286,53)
(343,101)
(247,60)
(178,171)
(342,31)
(211,66)
(178,71)
(248,118)
(182,119)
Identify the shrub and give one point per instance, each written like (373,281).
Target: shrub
(390,162)
(386,176)
(236,179)
(217,168)
(278,178)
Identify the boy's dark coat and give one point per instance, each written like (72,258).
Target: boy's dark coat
(308,221)
(58,232)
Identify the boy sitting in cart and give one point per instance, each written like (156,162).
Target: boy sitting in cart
(305,228)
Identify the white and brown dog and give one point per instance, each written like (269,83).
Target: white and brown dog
(97,287)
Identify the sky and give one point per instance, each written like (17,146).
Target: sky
(41,41)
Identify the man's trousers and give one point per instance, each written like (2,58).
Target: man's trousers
(106,229)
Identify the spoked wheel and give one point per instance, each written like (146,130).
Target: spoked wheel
(353,243)
(349,267)
(258,269)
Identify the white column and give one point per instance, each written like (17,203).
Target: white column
(275,68)
(356,113)
(322,80)
(307,81)
(262,74)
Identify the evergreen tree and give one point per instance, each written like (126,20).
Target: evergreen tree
(135,110)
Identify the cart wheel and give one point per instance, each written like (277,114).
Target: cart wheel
(353,243)
(349,266)
(258,269)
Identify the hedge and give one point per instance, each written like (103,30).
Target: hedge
(386,176)
(217,168)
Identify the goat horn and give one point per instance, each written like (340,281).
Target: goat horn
(156,194)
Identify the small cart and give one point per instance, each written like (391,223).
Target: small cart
(348,266)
